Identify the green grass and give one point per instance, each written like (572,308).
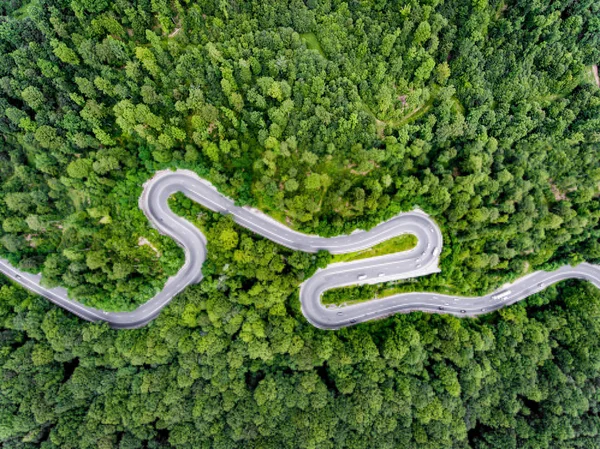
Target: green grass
(313,43)
(357,294)
(501,8)
(349,295)
(458,105)
(23,11)
(443,289)
(415,114)
(80,199)
(393,245)
(588,75)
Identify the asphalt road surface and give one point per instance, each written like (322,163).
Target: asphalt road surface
(419,261)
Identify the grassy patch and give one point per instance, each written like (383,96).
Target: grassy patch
(502,6)
(393,245)
(415,114)
(349,295)
(588,76)
(458,106)
(23,11)
(409,287)
(80,199)
(313,43)
(356,294)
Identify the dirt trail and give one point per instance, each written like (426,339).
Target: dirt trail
(595,72)
(144,241)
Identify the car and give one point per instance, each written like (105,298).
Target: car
(541,285)
(418,265)
(381,275)
(361,277)
(502,295)
(463,311)
(456,299)
(353,321)
(431,228)
(340,313)
(446,303)
(18,276)
(441,308)
(483,310)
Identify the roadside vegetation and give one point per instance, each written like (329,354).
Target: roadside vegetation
(330,116)
(448,110)
(313,43)
(344,296)
(393,245)
(421,374)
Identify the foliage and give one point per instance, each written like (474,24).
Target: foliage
(394,245)
(212,371)
(329,116)
(458,109)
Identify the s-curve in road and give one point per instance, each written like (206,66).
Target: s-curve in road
(419,261)
(334,317)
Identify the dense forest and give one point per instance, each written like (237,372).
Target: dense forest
(199,377)
(330,116)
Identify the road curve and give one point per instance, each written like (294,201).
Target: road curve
(419,261)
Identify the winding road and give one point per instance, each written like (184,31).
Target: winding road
(419,261)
